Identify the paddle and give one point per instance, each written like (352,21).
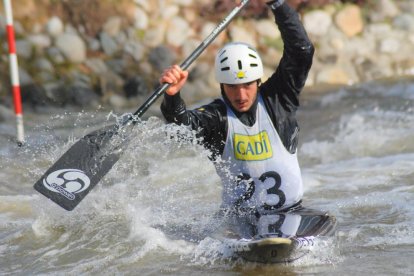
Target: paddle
(83,165)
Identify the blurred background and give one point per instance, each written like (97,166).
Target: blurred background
(111,53)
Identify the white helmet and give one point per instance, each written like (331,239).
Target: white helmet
(238,63)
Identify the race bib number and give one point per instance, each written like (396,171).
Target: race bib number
(265,190)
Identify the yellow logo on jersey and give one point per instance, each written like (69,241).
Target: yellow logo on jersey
(252,148)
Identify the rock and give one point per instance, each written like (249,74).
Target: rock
(374,68)
(406,66)
(110,83)
(203,91)
(69,29)
(389,45)
(241,32)
(34,94)
(79,79)
(333,75)
(141,21)
(407,6)
(135,86)
(388,8)
(178,31)
(81,95)
(24,76)
(349,20)
(332,43)
(154,36)
(36,28)
(360,46)
(121,39)
(267,28)
(145,68)
(24,49)
(55,55)
(270,58)
(382,10)
(190,15)
(108,44)
(183,2)
(56,92)
(40,41)
(188,93)
(317,22)
(72,47)
(144,4)
(97,65)
(112,26)
(379,30)
(117,101)
(161,57)
(54,26)
(135,49)
(45,76)
(170,12)
(199,71)
(44,64)
(116,65)
(18,28)
(93,44)
(404,22)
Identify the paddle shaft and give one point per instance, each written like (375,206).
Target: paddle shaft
(190,59)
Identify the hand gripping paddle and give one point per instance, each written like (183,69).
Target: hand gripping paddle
(83,165)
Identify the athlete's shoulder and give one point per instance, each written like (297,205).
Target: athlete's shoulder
(216,106)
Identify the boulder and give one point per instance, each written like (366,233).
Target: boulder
(242,32)
(141,20)
(24,49)
(178,31)
(161,57)
(108,43)
(334,75)
(317,22)
(54,26)
(112,26)
(349,20)
(72,46)
(154,36)
(135,86)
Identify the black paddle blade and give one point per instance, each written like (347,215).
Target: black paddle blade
(75,174)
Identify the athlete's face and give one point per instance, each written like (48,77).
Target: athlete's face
(241,96)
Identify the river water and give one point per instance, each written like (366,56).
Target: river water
(147,216)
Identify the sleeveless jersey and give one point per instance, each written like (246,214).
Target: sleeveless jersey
(255,168)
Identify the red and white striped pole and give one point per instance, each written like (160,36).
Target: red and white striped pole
(14,72)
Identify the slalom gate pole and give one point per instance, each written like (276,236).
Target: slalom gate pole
(14,73)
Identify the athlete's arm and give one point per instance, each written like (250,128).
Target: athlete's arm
(285,85)
(209,121)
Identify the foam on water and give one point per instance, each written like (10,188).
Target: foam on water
(365,133)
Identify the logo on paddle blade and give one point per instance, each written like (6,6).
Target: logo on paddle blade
(67,182)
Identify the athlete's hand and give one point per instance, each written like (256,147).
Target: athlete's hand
(176,77)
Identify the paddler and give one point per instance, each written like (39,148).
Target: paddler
(252,130)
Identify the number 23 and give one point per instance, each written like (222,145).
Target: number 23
(274,190)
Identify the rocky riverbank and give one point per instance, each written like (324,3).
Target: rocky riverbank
(111,53)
